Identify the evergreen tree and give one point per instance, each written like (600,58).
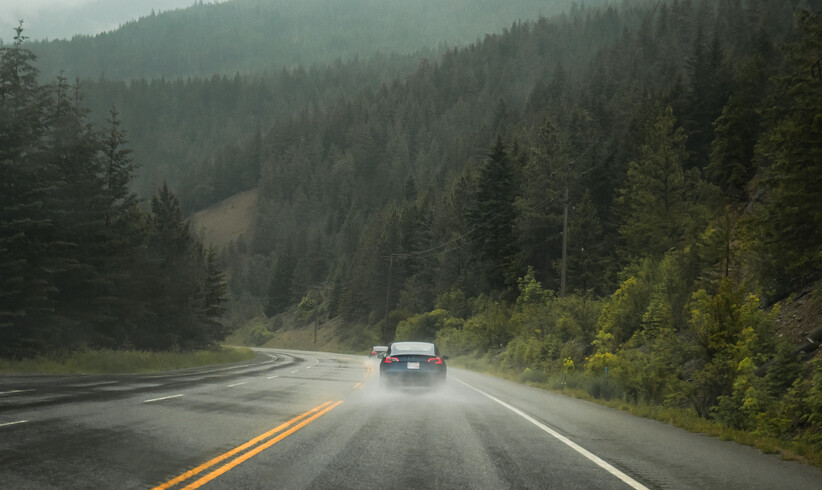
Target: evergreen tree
(540,206)
(78,206)
(122,238)
(26,275)
(211,300)
(787,226)
(280,295)
(175,279)
(737,129)
(587,261)
(658,203)
(492,218)
(119,170)
(708,94)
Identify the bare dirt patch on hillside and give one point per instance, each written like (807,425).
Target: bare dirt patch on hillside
(799,316)
(228,220)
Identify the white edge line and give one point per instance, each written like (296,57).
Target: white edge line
(295,371)
(93,384)
(14,423)
(197,373)
(163,398)
(272,377)
(15,391)
(237,384)
(212,370)
(576,447)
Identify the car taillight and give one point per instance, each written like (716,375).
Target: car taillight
(373,353)
(435,360)
(389,360)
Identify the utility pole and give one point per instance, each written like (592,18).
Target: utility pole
(387,298)
(564,234)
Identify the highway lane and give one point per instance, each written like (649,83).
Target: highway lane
(316,420)
(134,431)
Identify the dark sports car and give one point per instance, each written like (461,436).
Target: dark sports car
(413,364)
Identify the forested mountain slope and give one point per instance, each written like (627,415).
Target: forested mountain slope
(327,174)
(569,99)
(265,36)
(679,138)
(197,134)
(63,20)
(194,85)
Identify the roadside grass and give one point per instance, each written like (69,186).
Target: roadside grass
(106,361)
(577,386)
(688,419)
(285,332)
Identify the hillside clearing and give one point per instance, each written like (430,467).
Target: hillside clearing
(224,222)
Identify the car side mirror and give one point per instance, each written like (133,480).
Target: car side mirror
(445,357)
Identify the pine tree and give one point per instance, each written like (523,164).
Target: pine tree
(737,129)
(492,218)
(77,205)
(658,204)
(540,206)
(708,94)
(174,278)
(121,240)
(280,295)
(587,269)
(119,169)
(211,300)
(788,224)
(26,274)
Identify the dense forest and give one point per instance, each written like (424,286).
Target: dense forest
(255,37)
(191,133)
(673,145)
(192,84)
(620,193)
(82,264)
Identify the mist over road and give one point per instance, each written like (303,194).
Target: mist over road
(295,419)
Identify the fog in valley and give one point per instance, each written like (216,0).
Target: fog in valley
(64,19)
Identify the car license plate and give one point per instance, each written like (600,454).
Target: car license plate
(413,365)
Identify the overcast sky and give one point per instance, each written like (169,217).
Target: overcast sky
(55,19)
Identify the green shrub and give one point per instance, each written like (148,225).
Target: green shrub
(603,387)
(455,342)
(426,325)
(260,334)
(622,315)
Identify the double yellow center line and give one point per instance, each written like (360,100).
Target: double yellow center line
(257,446)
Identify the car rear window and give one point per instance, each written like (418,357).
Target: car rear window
(413,348)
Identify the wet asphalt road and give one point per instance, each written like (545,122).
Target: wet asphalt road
(320,421)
